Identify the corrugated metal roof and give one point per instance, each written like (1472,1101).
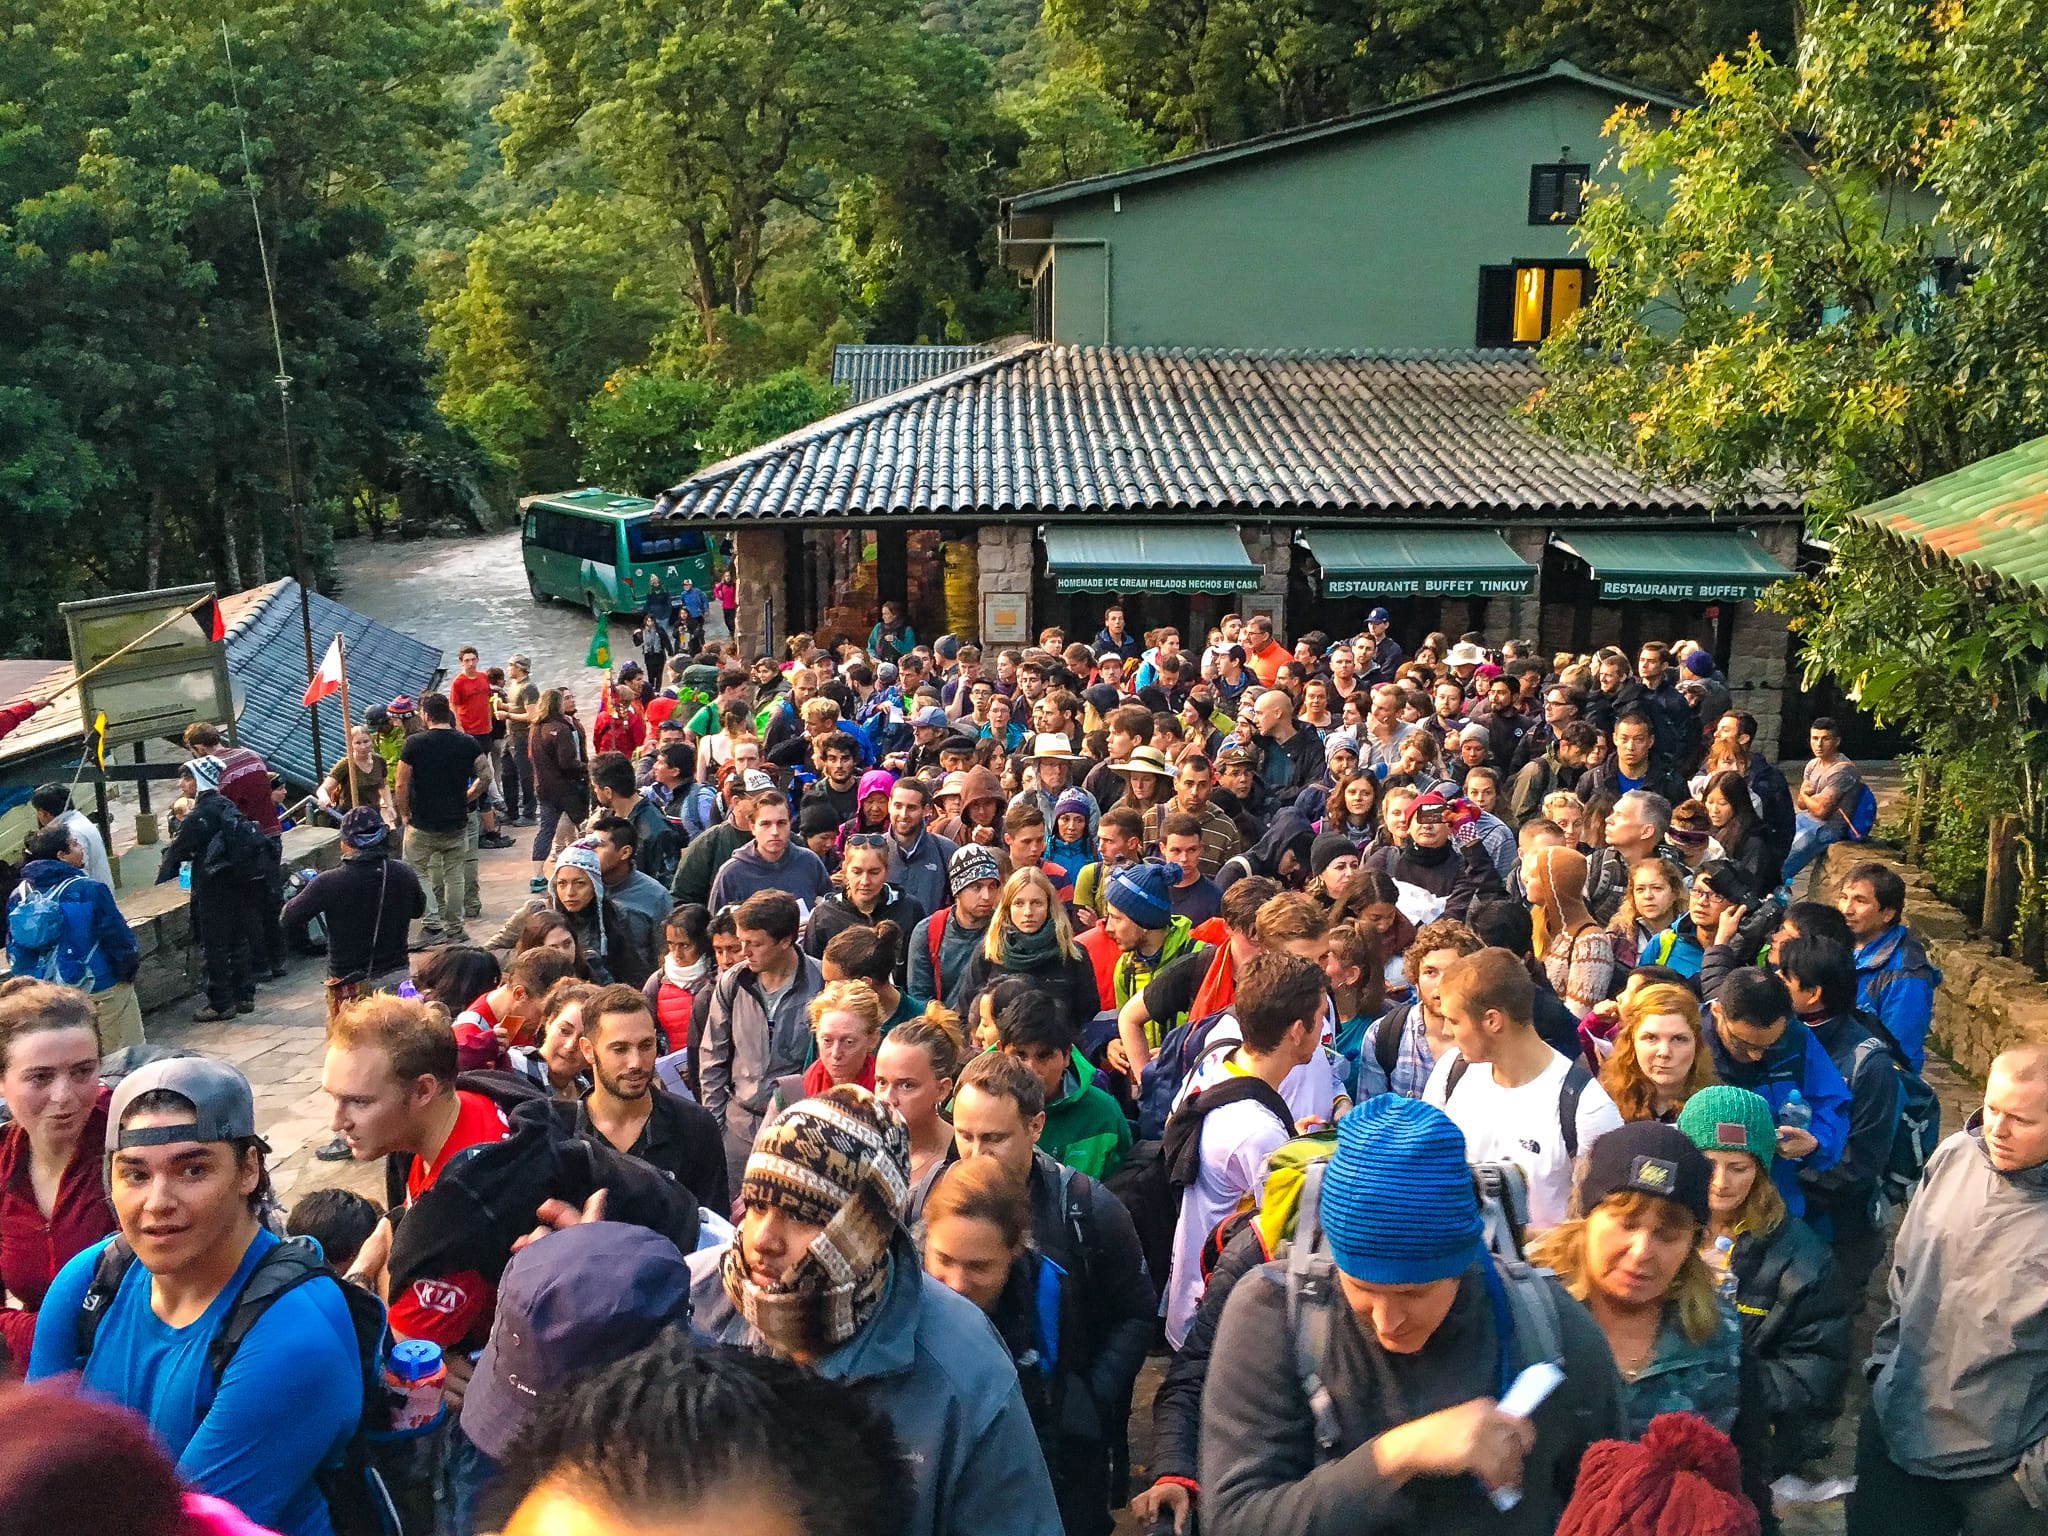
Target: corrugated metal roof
(869,370)
(1991,517)
(1063,431)
(267,666)
(1357,122)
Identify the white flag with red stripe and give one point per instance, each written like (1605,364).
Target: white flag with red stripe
(328,679)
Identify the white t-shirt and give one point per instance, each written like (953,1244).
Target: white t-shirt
(1314,1090)
(1236,1141)
(87,831)
(1520,1126)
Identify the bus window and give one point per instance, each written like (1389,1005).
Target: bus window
(653,541)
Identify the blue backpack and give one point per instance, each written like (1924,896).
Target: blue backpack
(1861,812)
(37,922)
(1160,1083)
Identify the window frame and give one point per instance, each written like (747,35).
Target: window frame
(1513,269)
(1560,169)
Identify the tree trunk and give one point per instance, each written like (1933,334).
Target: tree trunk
(2002,879)
(231,556)
(153,539)
(259,550)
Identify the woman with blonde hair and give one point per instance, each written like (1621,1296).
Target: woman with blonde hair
(1577,953)
(915,1070)
(1631,1255)
(1028,935)
(1796,1311)
(1660,1055)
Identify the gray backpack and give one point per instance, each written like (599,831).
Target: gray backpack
(1313,1293)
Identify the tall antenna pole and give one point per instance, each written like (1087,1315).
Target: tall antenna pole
(293,509)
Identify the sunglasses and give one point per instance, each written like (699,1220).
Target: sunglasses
(867,840)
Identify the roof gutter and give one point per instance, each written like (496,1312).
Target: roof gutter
(1053,242)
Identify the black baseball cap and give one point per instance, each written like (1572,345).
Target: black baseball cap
(1647,1157)
(578,1299)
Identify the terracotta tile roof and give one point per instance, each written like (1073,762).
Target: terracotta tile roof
(1048,430)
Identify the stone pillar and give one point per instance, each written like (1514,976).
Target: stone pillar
(1517,618)
(1759,661)
(1004,564)
(759,556)
(1272,551)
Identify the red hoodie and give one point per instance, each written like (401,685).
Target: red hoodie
(32,1250)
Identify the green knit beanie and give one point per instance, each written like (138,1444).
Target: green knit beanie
(1725,1119)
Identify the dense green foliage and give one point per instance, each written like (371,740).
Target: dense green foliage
(1837,273)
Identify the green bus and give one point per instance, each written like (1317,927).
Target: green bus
(596,550)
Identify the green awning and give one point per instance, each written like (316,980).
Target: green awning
(1123,557)
(1643,563)
(1409,562)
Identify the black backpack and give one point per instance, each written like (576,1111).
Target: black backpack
(359,1498)
(238,850)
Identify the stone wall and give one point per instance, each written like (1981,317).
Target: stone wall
(1757,665)
(758,583)
(1985,1002)
(161,919)
(1518,617)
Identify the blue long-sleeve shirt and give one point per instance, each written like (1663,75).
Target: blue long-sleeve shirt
(1796,1061)
(290,1397)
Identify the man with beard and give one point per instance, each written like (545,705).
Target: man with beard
(625,1109)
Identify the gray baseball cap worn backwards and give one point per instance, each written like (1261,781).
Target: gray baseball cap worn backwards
(223,1108)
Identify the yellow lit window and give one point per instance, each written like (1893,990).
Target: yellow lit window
(1529,303)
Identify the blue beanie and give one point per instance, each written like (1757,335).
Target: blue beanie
(1397,1205)
(1142,892)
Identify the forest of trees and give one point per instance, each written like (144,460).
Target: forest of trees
(519,244)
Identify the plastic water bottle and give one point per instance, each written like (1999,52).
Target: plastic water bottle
(185,876)
(1797,1115)
(415,1369)
(1722,1264)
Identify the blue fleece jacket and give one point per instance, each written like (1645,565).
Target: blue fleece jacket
(1796,1061)
(96,951)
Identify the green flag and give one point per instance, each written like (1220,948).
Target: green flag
(600,646)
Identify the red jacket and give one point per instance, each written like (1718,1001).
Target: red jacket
(32,1250)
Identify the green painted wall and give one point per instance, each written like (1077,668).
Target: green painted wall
(1368,241)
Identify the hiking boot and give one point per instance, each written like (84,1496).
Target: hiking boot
(494,840)
(246,1005)
(212,1015)
(334,1151)
(537,884)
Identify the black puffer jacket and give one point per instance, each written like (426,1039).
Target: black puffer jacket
(1796,1323)
(1460,876)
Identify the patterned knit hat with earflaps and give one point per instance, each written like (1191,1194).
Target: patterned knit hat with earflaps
(840,1161)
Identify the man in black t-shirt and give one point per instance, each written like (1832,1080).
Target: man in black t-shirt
(441,772)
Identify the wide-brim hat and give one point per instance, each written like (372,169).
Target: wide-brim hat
(1145,760)
(1465,654)
(1054,744)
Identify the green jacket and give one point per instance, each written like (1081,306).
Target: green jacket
(1084,1128)
(1133,971)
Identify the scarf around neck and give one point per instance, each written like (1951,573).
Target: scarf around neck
(835,1288)
(685,976)
(1033,952)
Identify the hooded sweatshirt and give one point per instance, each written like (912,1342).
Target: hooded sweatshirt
(1960,1359)
(1084,1128)
(980,785)
(799,873)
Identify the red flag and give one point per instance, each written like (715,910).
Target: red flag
(208,615)
(328,679)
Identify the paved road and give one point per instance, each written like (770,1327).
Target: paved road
(452,592)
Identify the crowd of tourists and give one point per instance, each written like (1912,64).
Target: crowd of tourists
(1414,1042)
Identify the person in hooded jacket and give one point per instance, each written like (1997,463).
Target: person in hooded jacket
(226,902)
(1795,1310)
(1955,1435)
(1446,860)
(1757,1044)
(92,947)
(980,817)
(822,1272)
(1282,854)
(617,944)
